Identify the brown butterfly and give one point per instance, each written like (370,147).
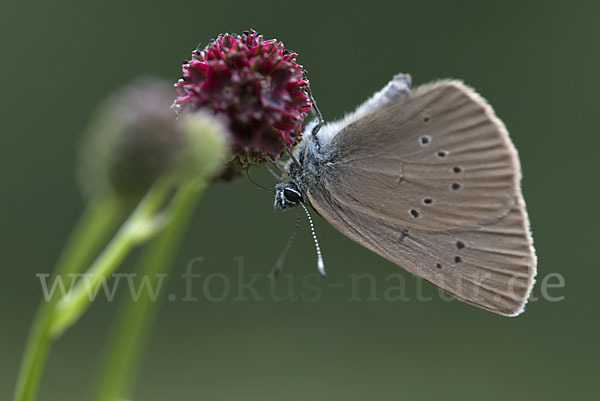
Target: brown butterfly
(430,180)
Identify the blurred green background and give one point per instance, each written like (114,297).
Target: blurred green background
(536,62)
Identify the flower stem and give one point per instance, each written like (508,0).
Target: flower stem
(142,224)
(133,323)
(91,231)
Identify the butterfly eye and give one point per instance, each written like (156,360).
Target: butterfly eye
(291,195)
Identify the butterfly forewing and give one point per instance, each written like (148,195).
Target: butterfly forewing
(435,160)
(432,183)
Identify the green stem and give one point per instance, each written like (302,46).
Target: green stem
(91,231)
(134,321)
(141,225)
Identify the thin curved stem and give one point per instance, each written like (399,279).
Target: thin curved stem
(91,231)
(142,224)
(133,323)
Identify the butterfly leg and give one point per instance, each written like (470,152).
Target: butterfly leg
(320,122)
(279,166)
(274,174)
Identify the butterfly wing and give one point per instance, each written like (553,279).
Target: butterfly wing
(431,182)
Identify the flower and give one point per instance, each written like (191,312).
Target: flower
(255,86)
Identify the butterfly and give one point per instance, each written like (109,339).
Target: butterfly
(428,179)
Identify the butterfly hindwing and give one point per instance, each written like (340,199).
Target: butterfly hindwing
(432,183)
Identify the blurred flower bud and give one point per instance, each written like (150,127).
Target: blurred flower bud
(207,146)
(135,137)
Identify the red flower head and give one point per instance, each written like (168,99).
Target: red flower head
(255,85)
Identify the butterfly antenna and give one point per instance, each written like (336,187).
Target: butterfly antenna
(256,184)
(320,263)
(279,264)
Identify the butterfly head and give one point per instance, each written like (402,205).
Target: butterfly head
(287,195)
